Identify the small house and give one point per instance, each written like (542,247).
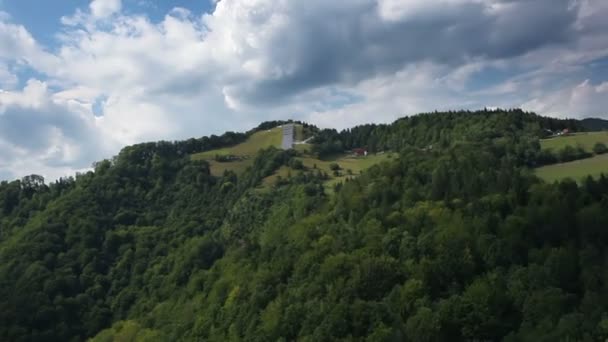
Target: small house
(359,152)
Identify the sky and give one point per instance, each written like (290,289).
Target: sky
(81,79)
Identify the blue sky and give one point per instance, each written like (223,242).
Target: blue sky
(80,79)
(43,18)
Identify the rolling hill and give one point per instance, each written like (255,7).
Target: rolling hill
(594,124)
(449,238)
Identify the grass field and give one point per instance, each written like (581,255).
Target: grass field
(305,148)
(576,170)
(585,140)
(264,139)
(356,165)
(246,150)
(250,147)
(299,133)
(283,171)
(217,168)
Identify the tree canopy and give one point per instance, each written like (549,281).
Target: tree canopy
(455,239)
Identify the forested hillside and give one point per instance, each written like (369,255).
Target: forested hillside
(455,239)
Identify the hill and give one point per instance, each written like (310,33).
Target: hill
(450,238)
(594,124)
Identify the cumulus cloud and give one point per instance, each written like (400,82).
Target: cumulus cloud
(39,130)
(18,46)
(7,79)
(290,47)
(335,63)
(104,8)
(582,100)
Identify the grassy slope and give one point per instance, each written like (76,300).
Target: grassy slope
(579,169)
(576,170)
(264,139)
(299,133)
(304,148)
(356,165)
(586,140)
(283,172)
(256,142)
(246,150)
(346,162)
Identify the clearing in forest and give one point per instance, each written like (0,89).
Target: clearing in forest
(338,168)
(257,141)
(244,153)
(586,140)
(576,170)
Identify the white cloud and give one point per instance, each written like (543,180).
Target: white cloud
(105,8)
(412,90)
(44,134)
(33,96)
(7,79)
(19,49)
(582,100)
(335,63)
(393,10)
(16,43)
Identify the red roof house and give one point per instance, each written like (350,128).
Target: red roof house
(359,151)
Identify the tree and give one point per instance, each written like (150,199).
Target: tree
(423,326)
(600,148)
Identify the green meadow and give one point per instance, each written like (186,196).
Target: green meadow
(350,166)
(585,140)
(576,170)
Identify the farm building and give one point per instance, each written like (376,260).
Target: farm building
(359,152)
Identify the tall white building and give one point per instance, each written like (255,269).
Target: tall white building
(288,133)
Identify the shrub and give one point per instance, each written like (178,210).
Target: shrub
(600,148)
(296,164)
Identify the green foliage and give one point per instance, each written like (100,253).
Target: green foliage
(456,242)
(570,153)
(296,164)
(600,148)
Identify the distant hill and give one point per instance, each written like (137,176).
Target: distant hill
(594,124)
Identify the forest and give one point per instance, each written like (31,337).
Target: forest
(454,239)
